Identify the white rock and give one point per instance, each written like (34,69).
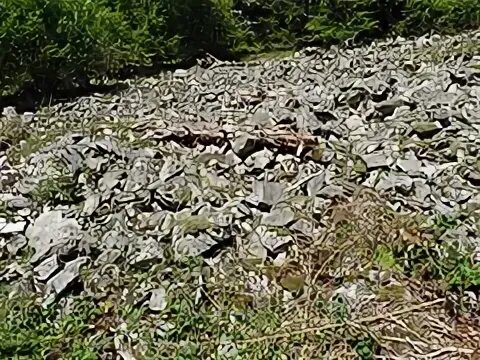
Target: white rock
(158,299)
(10,227)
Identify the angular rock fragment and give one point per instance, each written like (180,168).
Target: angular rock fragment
(473,177)
(409,164)
(272,240)
(251,247)
(51,230)
(315,184)
(46,268)
(17,202)
(115,239)
(11,272)
(158,299)
(244,145)
(111,178)
(260,159)
(191,245)
(422,190)
(377,160)
(71,271)
(261,119)
(388,107)
(7,227)
(108,256)
(91,204)
(279,216)
(426,128)
(15,243)
(393,181)
(269,193)
(305,227)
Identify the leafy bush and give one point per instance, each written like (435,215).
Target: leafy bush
(273,25)
(203,26)
(439,15)
(342,20)
(45,41)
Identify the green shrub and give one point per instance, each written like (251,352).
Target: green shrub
(151,20)
(203,26)
(341,20)
(48,41)
(31,331)
(444,16)
(273,25)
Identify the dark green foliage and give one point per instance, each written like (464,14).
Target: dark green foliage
(52,44)
(274,25)
(48,41)
(439,16)
(341,20)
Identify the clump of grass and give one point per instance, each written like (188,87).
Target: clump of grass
(30,331)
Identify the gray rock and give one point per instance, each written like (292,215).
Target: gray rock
(332,191)
(111,179)
(12,272)
(260,159)
(251,247)
(192,245)
(271,240)
(15,243)
(422,190)
(149,250)
(18,202)
(354,122)
(7,227)
(388,107)
(392,181)
(50,230)
(305,227)
(265,192)
(377,160)
(426,128)
(59,282)
(409,164)
(115,239)
(158,299)
(261,118)
(108,256)
(24,212)
(280,216)
(91,204)
(473,177)
(243,145)
(315,184)
(46,268)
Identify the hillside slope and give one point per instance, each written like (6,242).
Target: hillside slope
(325,203)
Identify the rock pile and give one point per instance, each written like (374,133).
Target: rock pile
(233,154)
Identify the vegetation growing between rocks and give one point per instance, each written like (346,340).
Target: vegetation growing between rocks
(203,315)
(48,45)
